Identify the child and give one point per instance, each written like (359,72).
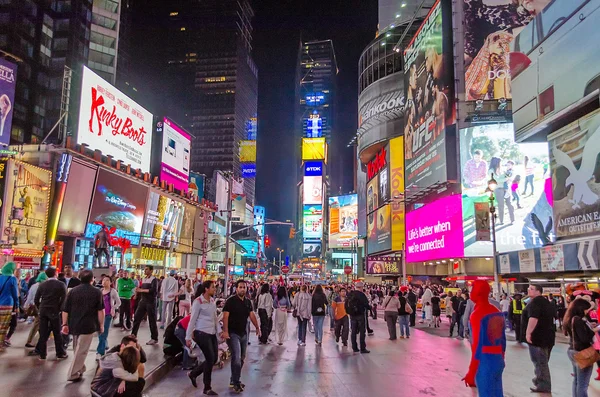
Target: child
(514,187)
(428,313)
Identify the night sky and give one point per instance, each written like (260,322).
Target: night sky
(279,26)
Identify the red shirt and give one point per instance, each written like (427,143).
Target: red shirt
(184,322)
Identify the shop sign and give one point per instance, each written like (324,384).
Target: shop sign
(153,254)
(384,265)
(377,164)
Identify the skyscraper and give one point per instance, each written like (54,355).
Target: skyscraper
(215,81)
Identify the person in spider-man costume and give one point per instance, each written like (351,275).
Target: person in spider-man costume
(488,344)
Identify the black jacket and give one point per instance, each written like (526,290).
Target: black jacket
(73,282)
(319,301)
(50,296)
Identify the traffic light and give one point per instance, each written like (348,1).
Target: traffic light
(267,241)
(292,233)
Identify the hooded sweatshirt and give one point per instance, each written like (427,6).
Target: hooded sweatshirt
(9,291)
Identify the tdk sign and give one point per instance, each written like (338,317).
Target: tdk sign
(313,168)
(248,170)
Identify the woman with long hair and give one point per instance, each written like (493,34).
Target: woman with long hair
(318,310)
(111,303)
(265,312)
(186,291)
(302,306)
(581,336)
(281,305)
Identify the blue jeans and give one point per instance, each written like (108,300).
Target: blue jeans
(581,378)
(180,334)
(318,323)
(302,324)
(331,317)
(237,345)
(404,324)
(540,357)
(103,336)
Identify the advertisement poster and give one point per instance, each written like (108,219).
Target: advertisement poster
(118,203)
(311,249)
(552,258)
(164,217)
(384,265)
(429,86)
(380,231)
(30,202)
(435,231)
(313,226)
(482,221)
(175,166)
(396,150)
(504,263)
(523,196)
(187,229)
(313,148)
(313,190)
(196,185)
(251,128)
(111,122)
(248,151)
(343,220)
(238,206)
(576,190)
(8,81)
(527,261)
(487,46)
(361,186)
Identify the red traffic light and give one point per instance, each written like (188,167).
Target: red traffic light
(267,241)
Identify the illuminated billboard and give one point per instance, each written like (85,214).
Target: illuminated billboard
(175,163)
(311,249)
(313,168)
(313,148)
(248,151)
(163,221)
(313,190)
(314,126)
(113,123)
(8,81)
(313,227)
(343,220)
(251,128)
(248,170)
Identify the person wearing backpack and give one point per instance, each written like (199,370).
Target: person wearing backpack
(357,306)
(391,305)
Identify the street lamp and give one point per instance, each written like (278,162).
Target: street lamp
(492,185)
(280,252)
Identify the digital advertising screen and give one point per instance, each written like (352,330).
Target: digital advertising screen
(313,190)
(313,148)
(429,88)
(186,236)
(251,128)
(248,151)
(343,220)
(435,231)
(163,222)
(113,123)
(313,168)
(314,126)
(8,82)
(196,184)
(311,249)
(175,160)
(118,203)
(248,170)
(313,221)
(523,208)
(379,230)
(384,265)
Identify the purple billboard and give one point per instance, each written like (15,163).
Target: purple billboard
(8,79)
(175,165)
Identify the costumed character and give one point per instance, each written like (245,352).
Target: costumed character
(488,344)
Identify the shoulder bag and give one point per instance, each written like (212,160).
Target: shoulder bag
(586,357)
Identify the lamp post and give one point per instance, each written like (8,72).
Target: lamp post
(492,185)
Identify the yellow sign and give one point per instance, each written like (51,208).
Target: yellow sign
(396,151)
(248,151)
(153,254)
(313,149)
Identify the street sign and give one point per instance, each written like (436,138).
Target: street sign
(348,269)
(287,261)
(285,269)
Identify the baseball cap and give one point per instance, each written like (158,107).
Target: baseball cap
(172,272)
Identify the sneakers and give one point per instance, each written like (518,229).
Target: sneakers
(62,357)
(237,389)
(345,344)
(365,351)
(33,353)
(371,333)
(98,356)
(210,392)
(299,343)
(29,345)
(192,379)
(231,385)
(337,339)
(152,342)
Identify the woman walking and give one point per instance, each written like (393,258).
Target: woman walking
(185,301)
(111,302)
(581,337)
(318,310)
(281,304)
(391,305)
(404,315)
(9,299)
(265,313)
(302,308)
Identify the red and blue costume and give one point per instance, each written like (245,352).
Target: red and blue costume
(488,344)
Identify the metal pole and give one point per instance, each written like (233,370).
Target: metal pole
(496,279)
(228,232)
(404,279)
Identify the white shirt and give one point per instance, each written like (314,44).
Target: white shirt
(203,318)
(170,288)
(504,305)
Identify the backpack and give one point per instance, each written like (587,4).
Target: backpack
(352,304)
(172,344)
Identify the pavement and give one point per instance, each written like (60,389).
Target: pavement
(428,364)
(23,376)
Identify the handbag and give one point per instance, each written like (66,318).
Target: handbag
(586,357)
(295,313)
(408,308)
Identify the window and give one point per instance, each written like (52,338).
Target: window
(60,44)
(107,5)
(61,5)
(105,22)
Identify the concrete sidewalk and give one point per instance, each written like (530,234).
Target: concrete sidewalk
(23,376)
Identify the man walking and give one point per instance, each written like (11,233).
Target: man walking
(357,307)
(83,315)
(169,291)
(49,299)
(538,317)
(125,288)
(342,322)
(235,318)
(69,279)
(330,299)
(146,296)
(412,301)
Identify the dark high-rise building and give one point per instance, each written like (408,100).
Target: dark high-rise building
(44,37)
(215,80)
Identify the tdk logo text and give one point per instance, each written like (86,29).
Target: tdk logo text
(313,168)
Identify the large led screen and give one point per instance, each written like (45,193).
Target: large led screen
(313,148)
(118,203)
(113,123)
(248,151)
(163,221)
(429,85)
(384,265)
(313,221)
(523,205)
(343,220)
(8,81)
(175,167)
(313,190)
(379,230)
(435,231)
